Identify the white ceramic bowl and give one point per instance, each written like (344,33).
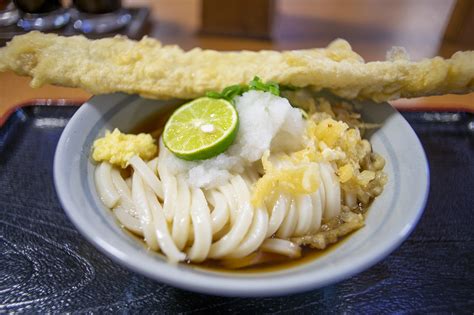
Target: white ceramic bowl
(391,218)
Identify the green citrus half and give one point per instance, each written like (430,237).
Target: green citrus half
(201,129)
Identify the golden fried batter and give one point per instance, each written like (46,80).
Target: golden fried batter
(152,70)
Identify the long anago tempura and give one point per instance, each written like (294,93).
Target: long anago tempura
(152,70)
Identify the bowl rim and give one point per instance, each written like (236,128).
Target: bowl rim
(226,286)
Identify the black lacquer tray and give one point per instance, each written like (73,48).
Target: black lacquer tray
(47,266)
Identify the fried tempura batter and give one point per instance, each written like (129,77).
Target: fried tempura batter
(152,70)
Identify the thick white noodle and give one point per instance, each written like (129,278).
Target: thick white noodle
(147,174)
(287,228)
(247,180)
(125,211)
(130,223)
(304,208)
(120,185)
(232,201)
(170,189)
(282,247)
(181,221)
(201,219)
(278,214)
(153,165)
(220,213)
(317,210)
(233,229)
(163,236)
(240,190)
(103,181)
(144,212)
(239,229)
(332,190)
(254,237)
(124,192)
(322,191)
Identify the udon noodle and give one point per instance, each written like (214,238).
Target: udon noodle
(188,222)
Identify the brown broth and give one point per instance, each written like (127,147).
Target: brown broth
(154,125)
(278,263)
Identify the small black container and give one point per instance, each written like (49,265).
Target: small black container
(97,6)
(37,6)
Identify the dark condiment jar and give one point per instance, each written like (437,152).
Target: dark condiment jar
(37,6)
(97,6)
(4,4)
(99,16)
(8,13)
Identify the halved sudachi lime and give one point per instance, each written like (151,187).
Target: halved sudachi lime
(201,129)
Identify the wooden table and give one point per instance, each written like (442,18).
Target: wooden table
(372,27)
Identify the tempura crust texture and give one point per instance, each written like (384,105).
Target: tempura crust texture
(148,68)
